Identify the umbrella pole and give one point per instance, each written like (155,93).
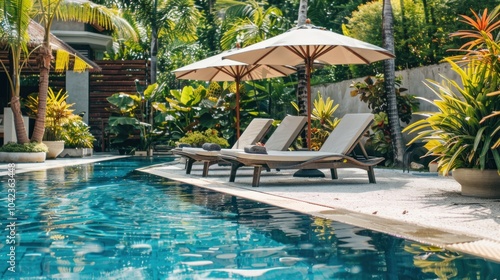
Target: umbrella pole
(237,109)
(309,172)
(309,107)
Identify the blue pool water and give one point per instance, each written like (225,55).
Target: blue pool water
(106,221)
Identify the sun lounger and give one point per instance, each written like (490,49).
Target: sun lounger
(335,153)
(280,139)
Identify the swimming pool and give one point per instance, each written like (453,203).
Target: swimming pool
(106,221)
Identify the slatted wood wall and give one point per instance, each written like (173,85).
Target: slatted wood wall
(116,76)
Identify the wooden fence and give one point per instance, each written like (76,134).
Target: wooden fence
(116,76)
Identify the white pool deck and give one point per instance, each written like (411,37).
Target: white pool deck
(418,205)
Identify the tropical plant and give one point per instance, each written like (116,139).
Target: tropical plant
(58,112)
(483,47)
(323,121)
(200,108)
(323,111)
(168,20)
(372,91)
(181,108)
(76,134)
(248,22)
(464,132)
(15,19)
(129,116)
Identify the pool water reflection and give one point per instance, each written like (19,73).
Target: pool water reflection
(106,221)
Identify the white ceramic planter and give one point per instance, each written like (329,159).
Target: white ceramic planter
(12,157)
(55,148)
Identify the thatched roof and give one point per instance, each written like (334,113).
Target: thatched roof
(36,34)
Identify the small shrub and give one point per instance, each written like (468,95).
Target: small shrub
(34,147)
(76,134)
(197,138)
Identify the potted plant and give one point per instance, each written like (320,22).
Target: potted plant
(58,113)
(464,132)
(78,141)
(23,153)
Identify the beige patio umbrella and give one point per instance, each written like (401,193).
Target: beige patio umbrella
(215,68)
(308,44)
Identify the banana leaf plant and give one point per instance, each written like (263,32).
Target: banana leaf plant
(179,111)
(193,109)
(129,117)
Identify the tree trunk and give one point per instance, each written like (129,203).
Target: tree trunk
(302,74)
(154,53)
(389,77)
(44,58)
(154,44)
(22,136)
(302,13)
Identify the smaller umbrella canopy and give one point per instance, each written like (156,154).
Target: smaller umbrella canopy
(215,68)
(306,45)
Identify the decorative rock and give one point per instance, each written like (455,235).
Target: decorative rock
(76,152)
(416,166)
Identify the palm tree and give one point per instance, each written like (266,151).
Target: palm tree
(389,76)
(168,19)
(249,23)
(15,19)
(67,10)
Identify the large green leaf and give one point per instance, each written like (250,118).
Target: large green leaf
(124,102)
(115,121)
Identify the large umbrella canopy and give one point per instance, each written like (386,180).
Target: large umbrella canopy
(308,44)
(215,68)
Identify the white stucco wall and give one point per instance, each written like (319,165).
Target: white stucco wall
(413,80)
(77,85)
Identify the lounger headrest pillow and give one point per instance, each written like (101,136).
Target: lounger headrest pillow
(183,145)
(211,147)
(255,149)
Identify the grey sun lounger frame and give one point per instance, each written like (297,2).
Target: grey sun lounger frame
(335,153)
(281,139)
